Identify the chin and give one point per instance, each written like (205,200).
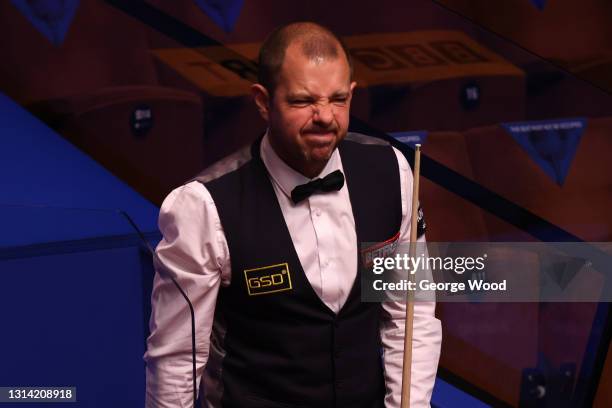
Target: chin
(321,155)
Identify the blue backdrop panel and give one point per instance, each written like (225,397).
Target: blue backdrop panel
(552,144)
(74,284)
(39,225)
(75,319)
(52,18)
(39,167)
(411,138)
(540,4)
(447,396)
(225,13)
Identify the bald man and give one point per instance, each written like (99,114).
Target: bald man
(265,244)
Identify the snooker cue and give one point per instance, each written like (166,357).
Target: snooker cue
(407,365)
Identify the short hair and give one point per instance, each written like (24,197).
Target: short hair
(316,42)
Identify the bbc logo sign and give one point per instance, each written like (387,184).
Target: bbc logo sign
(432,54)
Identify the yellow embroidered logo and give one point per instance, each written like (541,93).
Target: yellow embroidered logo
(268,279)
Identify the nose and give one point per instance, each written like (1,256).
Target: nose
(323,114)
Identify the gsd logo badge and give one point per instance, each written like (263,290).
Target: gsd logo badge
(268,279)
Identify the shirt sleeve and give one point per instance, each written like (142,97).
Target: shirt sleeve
(194,252)
(427,331)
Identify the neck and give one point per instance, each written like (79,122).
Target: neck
(311,172)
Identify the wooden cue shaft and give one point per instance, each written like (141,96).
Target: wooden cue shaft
(407,365)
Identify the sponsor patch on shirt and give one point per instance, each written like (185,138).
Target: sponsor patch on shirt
(388,247)
(268,279)
(379,250)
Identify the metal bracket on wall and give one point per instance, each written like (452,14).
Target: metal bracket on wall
(547,388)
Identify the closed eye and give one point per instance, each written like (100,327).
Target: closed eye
(300,102)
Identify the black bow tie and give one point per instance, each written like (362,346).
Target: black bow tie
(332,182)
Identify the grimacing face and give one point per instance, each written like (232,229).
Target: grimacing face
(308,114)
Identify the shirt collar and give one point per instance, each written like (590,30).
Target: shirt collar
(283,175)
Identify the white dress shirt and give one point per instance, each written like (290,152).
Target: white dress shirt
(195,252)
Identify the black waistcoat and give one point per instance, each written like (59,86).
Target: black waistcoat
(284,347)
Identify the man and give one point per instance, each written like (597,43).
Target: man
(270,261)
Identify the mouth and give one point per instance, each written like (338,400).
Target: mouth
(320,138)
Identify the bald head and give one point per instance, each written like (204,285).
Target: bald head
(314,41)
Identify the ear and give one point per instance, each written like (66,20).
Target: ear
(262,100)
(352,87)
